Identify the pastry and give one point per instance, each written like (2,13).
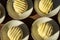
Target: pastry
(15,33)
(20,6)
(45,30)
(45,6)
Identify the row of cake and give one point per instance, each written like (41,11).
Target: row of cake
(43,28)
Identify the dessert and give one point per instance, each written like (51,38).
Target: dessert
(45,6)
(45,30)
(15,33)
(20,6)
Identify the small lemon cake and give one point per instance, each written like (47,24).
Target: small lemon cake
(45,6)
(20,6)
(15,33)
(45,30)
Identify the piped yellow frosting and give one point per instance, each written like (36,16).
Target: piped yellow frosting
(45,30)
(45,6)
(20,6)
(15,33)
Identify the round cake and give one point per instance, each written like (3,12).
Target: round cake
(15,33)
(45,6)
(20,6)
(45,30)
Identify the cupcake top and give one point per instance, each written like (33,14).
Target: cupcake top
(45,6)
(15,33)
(45,30)
(20,6)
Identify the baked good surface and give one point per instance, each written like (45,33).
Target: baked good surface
(45,6)
(45,30)
(20,6)
(15,33)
